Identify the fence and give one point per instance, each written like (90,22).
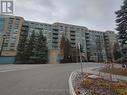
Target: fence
(7,59)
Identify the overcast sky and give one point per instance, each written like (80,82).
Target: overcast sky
(94,14)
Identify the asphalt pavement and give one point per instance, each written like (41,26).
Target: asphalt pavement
(43,79)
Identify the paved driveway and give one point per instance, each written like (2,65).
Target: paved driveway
(47,79)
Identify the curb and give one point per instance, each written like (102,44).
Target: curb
(71,88)
(91,70)
(72,77)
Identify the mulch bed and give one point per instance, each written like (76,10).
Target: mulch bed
(104,87)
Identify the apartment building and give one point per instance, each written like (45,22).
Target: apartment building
(10,28)
(75,34)
(36,27)
(94,43)
(95,46)
(110,40)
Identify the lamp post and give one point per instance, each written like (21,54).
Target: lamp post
(80,58)
(4,36)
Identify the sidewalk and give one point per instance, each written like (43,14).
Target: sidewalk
(95,70)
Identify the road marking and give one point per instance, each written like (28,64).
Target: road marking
(7,70)
(17,69)
(13,70)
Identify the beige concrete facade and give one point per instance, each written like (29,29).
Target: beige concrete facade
(9,53)
(12,29)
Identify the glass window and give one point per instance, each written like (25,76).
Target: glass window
(12,45)
(0,33)
(14,35)
(79,34)
(6,40)
(5,45)
(15,31)
(7,34)
(2,21)
(13,40)
(5,48)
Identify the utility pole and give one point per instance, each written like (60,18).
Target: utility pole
(2,44)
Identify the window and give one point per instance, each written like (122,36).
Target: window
(13,40)
(6,40)
(2,21)
(79,34)
(12,45)
(5,48)
(5,44)
(11,17)
(16,27)
(14,35)
(15,31)
(7,34)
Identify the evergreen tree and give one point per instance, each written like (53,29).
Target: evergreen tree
(41,49)
(122,22)
(65,49)
(122,28)
(28,52)
(62,43)
(62,46)
(116,52)
(25,48)
(20,58)
(32,49)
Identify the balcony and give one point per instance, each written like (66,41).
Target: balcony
(55,41)
(72,42)
(72,39)
(55,37)
(55,33)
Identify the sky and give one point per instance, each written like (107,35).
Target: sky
(93,14)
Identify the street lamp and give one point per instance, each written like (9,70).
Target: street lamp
(80,58)
(2,44)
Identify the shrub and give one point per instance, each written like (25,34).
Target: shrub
(88,82)
(121,91)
